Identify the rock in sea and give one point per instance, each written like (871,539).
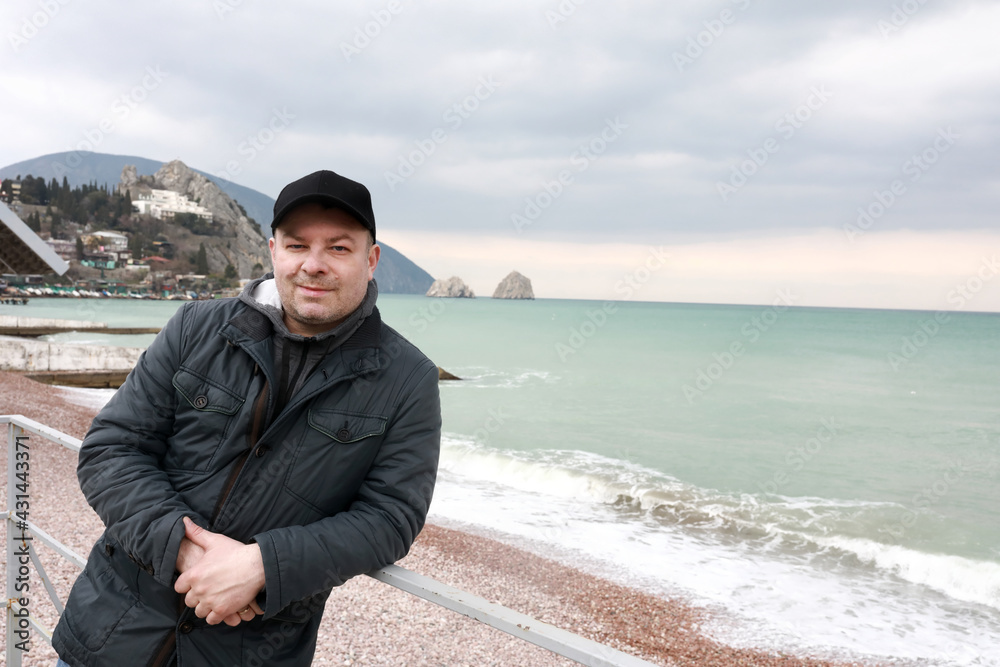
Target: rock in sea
(452,287)
(514,286)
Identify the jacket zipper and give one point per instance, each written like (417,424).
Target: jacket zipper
(166,648)
(170,641)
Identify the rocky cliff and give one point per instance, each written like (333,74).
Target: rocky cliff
(236,239)
(452,287)
(514,286)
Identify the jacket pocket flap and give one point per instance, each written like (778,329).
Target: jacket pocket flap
(205,395)
(345,427)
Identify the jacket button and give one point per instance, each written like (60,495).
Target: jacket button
(149,569)
(186,627)
(201,402)
(260,451)
(343,434)
(109,550)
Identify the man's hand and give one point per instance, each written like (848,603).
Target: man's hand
(188,554)
(223,579)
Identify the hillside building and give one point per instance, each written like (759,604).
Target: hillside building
(165,204)
(106,241)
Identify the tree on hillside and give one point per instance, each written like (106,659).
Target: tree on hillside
(201,265)
(56,228)
(79,249)
(34,190)
(53,215)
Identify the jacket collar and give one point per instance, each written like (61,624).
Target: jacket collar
(262,296)
(252,329)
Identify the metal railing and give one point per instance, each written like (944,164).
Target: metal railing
(23,536)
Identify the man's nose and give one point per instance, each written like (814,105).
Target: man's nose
(314,263)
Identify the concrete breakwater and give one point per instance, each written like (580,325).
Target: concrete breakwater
(12,325)
(26,355)
(77,365)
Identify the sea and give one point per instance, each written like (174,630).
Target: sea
(826,481)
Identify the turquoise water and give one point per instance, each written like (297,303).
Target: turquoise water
(890,433)
(829,476)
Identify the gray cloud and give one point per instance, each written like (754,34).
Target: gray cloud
(362,101)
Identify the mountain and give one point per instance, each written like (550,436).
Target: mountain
(85,167)
(395,273)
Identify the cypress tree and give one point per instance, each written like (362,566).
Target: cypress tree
(202,263)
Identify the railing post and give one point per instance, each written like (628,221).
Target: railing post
(13,653)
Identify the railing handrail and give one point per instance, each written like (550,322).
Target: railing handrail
(580,649)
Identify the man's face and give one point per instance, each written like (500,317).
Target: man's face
(322,265)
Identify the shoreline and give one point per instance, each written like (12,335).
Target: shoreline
(369,623)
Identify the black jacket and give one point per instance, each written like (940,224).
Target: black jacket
(337,484)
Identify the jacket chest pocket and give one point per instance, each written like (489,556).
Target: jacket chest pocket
(205,417)
(333,458)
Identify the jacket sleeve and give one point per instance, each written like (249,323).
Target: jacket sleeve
(380,524)
(119,466)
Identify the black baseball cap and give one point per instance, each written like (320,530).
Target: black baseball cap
(327,188)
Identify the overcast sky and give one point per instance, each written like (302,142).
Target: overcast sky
(578,142)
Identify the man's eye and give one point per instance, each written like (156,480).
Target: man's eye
(340,248)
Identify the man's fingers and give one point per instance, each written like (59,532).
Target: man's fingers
(196,533)
(232,620)
(255,608)
(201,610)
(183,584)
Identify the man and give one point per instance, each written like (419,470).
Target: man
(265,449)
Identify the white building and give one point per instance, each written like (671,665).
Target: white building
(166,204)
(105,241)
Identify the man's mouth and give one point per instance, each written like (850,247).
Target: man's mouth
(313,291)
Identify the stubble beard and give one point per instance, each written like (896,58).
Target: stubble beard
(329,311)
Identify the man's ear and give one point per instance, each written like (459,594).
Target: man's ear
(373,255)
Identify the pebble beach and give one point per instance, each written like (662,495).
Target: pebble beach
(369,623)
